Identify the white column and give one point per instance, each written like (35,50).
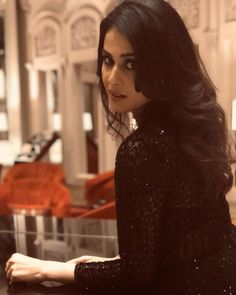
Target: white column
(107,146)
(74,140)
(12,72)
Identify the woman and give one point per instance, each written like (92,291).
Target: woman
(172,173)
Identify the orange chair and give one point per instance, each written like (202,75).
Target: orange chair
(100,188)
(1,168)
(35,196)
(99,191)
(107,211)
(44,170)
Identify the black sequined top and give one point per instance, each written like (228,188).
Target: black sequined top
(172,238)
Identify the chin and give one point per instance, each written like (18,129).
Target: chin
(119,110)
(115,109)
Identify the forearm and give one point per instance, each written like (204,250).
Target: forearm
(58,271)
(63,272)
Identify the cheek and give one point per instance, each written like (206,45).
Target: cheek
(104,76)
(130,82)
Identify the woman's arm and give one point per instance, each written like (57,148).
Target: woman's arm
(142,184)
(24,268)
(86,259)
(143,172)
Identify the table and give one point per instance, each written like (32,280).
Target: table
(52,238)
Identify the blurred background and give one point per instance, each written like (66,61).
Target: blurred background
(50,109)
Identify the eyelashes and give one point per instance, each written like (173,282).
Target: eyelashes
(107,60)
(130,64)
(127,63)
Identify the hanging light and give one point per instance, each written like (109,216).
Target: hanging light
(56,121)
(87,121)
(3,122)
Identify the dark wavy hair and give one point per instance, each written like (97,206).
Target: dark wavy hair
(170,73)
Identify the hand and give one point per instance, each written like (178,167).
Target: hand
(87,259)
(24,268)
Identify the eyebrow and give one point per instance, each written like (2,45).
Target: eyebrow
(122,55)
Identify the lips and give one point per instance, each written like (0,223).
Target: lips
(116,95)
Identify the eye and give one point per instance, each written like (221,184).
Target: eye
(107,60)
(129,64)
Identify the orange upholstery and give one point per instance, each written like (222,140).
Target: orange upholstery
(101,187)
(1,168)
(107,211)
(4,196)
(109,190)
(98,192)
(37,170)
(78,211)
(31,194)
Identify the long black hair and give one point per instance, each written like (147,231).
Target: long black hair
(170,73)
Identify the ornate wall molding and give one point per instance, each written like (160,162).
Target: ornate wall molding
(189,10)
(230,10)
(25,5)
(45,42)
(83,33)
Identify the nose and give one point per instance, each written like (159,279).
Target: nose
(114,77)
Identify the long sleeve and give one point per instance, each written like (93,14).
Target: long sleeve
(142,180)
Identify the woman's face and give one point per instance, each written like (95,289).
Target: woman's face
(118,74)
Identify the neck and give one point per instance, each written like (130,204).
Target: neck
(137,114)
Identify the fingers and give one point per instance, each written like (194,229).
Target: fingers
(87,259)
(9,264)
(84,259)
(10,267)
(81,259)
(11,273)
(72,261)
(13,264)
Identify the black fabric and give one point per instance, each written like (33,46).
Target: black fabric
(173,239)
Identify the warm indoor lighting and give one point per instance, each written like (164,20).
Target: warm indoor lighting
(233,124)
(87,121)
(3,122)
(2,84)
(56,122)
